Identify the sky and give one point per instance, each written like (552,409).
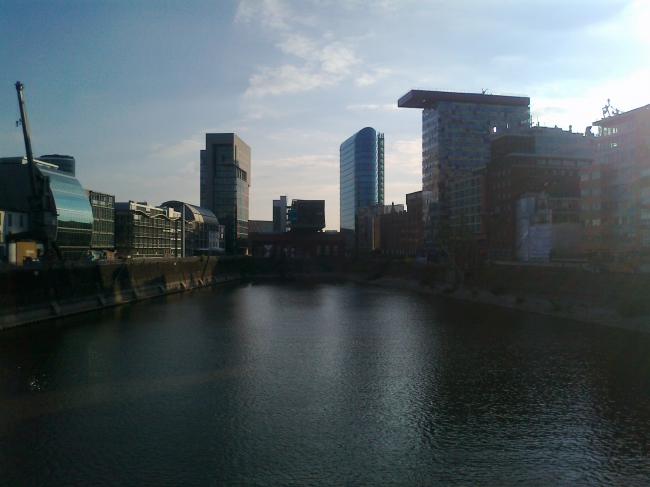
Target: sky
(131,88)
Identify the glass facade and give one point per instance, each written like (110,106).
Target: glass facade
(231,197)
(203,233)
(103,206)
(455,140)
(361,175)
(142,230)
(74,228)
(225,182)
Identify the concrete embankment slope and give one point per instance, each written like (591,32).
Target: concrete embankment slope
(31,294)
(617,300)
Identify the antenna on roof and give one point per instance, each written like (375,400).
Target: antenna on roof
(484,91)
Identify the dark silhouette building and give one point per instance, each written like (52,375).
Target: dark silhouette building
(225,181)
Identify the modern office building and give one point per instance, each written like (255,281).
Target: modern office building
(64,163)
(69,218)
(306,216)
(203,233)
(467,203)
(456,133)
(531,160)
(615,192)
(280,215)
(361,177)
(143,230)
(225,182)
(260,226)
(103,208)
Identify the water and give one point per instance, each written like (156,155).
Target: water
(329,384)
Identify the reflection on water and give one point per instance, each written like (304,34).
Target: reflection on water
(322,384)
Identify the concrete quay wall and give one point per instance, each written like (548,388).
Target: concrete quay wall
(38,293)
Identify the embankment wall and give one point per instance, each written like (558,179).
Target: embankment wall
(30,294)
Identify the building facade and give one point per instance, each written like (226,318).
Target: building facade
(225,181)
(361,177)
(535,160)
(615,192)
(456,133)
(399,232)
(143,230)
(203,233)
(66,164)
(546,228)
(69,218)
(103,208)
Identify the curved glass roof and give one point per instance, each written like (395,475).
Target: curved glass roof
(195,213)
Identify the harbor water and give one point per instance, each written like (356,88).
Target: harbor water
(322,384)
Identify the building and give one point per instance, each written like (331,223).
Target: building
(361,177)
(531,160)
(615,192)
(64,163)
(143,230)
(399,232)
(367,225)
(260,226)
(307,216)
(68,220)
(10,223)
(203,233)
(225,182)
(467,203)
(280,215)
(103,208)
(546,228)
(297,245)
(456,133)
(305,238)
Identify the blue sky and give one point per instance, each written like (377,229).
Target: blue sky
(131,88)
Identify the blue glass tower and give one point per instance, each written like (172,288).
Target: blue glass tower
(362,177)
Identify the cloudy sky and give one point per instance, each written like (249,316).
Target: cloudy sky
(131,88)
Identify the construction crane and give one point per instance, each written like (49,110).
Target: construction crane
(42,211)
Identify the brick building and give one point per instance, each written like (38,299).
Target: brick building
(537,159)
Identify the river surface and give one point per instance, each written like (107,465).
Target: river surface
(322,384)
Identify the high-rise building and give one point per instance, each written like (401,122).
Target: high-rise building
(456,133)
(615,192)
(225,182)
(361,177)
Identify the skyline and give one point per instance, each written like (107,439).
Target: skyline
(130,89)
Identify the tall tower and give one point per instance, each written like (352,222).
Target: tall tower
(456,133)
(361,177)
(225,182)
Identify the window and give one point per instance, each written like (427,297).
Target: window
(9,220)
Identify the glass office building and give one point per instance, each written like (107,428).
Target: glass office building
(203,233)
(72,228)
(103,206)
(361,177)
(74,223)
(225,182)
(456,133)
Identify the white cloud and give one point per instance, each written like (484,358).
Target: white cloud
(320,67)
